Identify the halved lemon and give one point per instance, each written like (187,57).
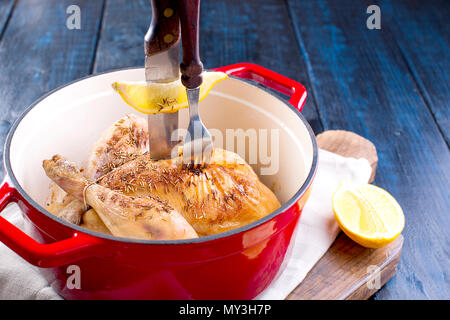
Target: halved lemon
(367,214)
(168,97)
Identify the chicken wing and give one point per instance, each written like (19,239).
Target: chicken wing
(122,141)
(142,217)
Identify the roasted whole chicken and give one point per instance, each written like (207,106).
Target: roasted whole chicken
(125,193)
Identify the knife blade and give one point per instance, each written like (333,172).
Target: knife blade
(162,64)
(162,67)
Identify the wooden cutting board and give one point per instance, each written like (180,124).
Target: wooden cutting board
(348,271)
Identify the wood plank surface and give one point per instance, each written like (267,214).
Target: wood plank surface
(121,41)
(363,84)
(348,271)
(39,53)
(6,8)
(422,32)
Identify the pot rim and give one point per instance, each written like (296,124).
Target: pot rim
(288,204)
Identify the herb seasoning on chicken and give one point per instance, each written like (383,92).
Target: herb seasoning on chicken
(137,197)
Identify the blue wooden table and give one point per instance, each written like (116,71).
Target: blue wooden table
(390,85)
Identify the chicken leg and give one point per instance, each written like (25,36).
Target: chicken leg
(142,217)
(123,141)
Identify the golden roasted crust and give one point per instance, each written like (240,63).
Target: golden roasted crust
(143,217)
(224,195)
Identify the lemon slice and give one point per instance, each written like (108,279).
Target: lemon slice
(168,97)
(367,214)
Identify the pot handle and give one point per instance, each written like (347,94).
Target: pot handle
(55,254)
(295,90)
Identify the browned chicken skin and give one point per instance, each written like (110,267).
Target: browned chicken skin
(122,141)
(142,217)
(224,195)
(126,139)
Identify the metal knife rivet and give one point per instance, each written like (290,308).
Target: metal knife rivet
(168,38)
(168,12)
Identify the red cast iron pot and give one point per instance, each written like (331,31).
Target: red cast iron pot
(237,264)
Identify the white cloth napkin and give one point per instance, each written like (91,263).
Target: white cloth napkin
(318,228)
(315,234)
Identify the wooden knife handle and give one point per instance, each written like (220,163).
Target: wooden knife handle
(191,67)
(164,30)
